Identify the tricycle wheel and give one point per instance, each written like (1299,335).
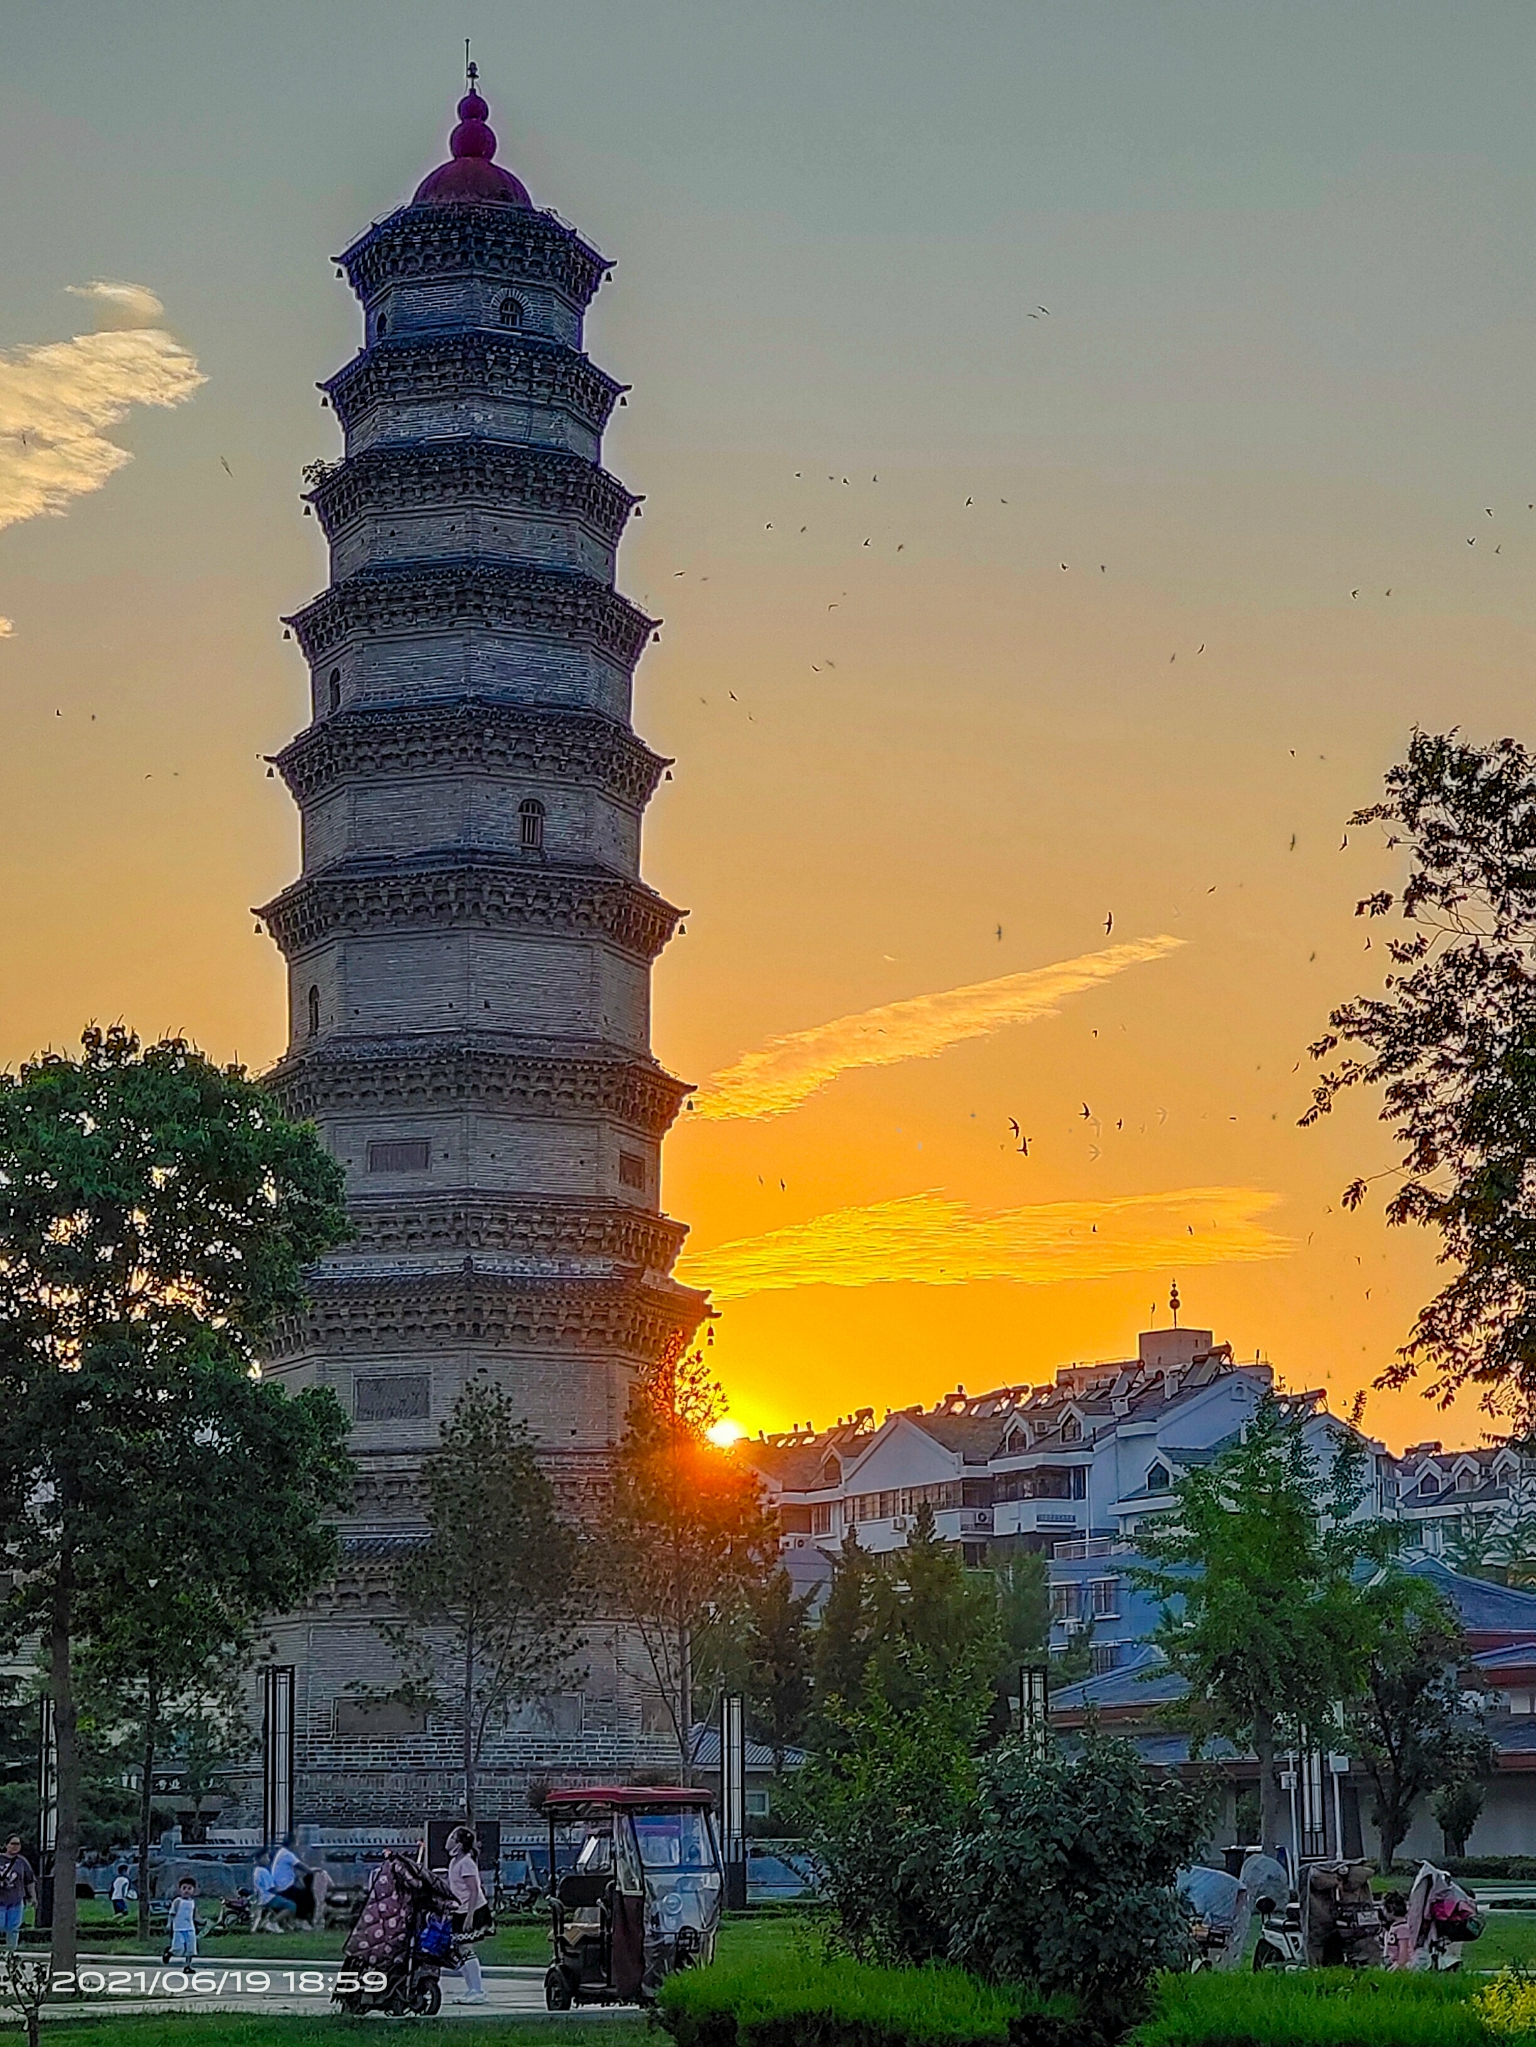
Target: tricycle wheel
(557,1991)
(1267,1957)
(426,1998)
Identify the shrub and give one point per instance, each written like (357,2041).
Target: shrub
(1314,2008)
(1507,2005)
(878,1812)
(1064,1877)
(834,2001)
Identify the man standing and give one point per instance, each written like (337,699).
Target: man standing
(17,1885)
(120,1891)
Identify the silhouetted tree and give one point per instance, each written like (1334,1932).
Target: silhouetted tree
(1451,1042)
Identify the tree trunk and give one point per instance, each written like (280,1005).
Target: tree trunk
(146,1780)
(1269,1790)
(64,1945)
(685,1698)
(469,1730)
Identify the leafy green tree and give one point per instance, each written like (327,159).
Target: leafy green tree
(686,1535)
(1023,1611)
(156,1217)
(1457,1808)
(893,1770)
(845,1636)
(1256,1567)
(1451,1044)
(778,1661)
(1062,1875)
(490,1604)
(1410,1725)
(936,1624)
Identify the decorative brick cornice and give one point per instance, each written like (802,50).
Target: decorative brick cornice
(612,1318)
(531,1227)
(477,734)
(341,1076)
(426,368)
(404,476)
(512,242)
(463,888)
(509,597)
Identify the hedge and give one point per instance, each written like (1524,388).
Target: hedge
(1315,2008)
(812,2000)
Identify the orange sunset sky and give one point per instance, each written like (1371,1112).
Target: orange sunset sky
(1078,443)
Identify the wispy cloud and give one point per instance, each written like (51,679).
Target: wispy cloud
(58,398)
(930,1240)
(786,1070)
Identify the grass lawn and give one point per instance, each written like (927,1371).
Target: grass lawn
(1506,1937)
(523,1944)
(1315,2008)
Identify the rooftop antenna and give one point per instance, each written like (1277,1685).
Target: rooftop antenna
(471,69)
(1173,1302)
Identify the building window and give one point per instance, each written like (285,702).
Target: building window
(1105,1597)
(1157,1479)
(530,822)
(821,1518)
(562,1713)
(381,325)
(1071,1430)
(398,1155)
(1103,1657)
(402,1397)
(757,1804)
(631,1170)
(335,689)
(510,312)
(1429,1485)
(314,1012)
(362,1717)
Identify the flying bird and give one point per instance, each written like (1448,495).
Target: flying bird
(1109,923)
(227,470)
(1086,1112)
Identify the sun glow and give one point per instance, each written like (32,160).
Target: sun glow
(725,1432)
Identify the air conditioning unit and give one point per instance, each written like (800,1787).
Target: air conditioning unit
(900,1523)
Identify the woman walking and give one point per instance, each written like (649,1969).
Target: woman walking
(472,1915)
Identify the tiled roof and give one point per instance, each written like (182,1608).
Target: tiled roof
(706,1752)
(1483,1607)
(1125,1686)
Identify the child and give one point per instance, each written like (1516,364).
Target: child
(120,1891)
(181,1923)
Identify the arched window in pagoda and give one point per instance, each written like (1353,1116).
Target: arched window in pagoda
(335,689)
(530,818)
(510,312)
(314,1012)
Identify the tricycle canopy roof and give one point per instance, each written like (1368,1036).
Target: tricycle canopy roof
(578,1798)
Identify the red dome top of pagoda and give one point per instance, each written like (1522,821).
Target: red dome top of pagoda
(470,178)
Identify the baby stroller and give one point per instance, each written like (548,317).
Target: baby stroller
(403,1936)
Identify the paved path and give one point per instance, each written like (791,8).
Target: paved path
(137,1983)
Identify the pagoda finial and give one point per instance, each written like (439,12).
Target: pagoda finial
(470,176)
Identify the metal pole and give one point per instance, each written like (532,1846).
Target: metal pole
(277,1751)
(47,1807)
(733,1798)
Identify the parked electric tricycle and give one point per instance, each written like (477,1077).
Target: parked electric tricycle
(643,1899)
